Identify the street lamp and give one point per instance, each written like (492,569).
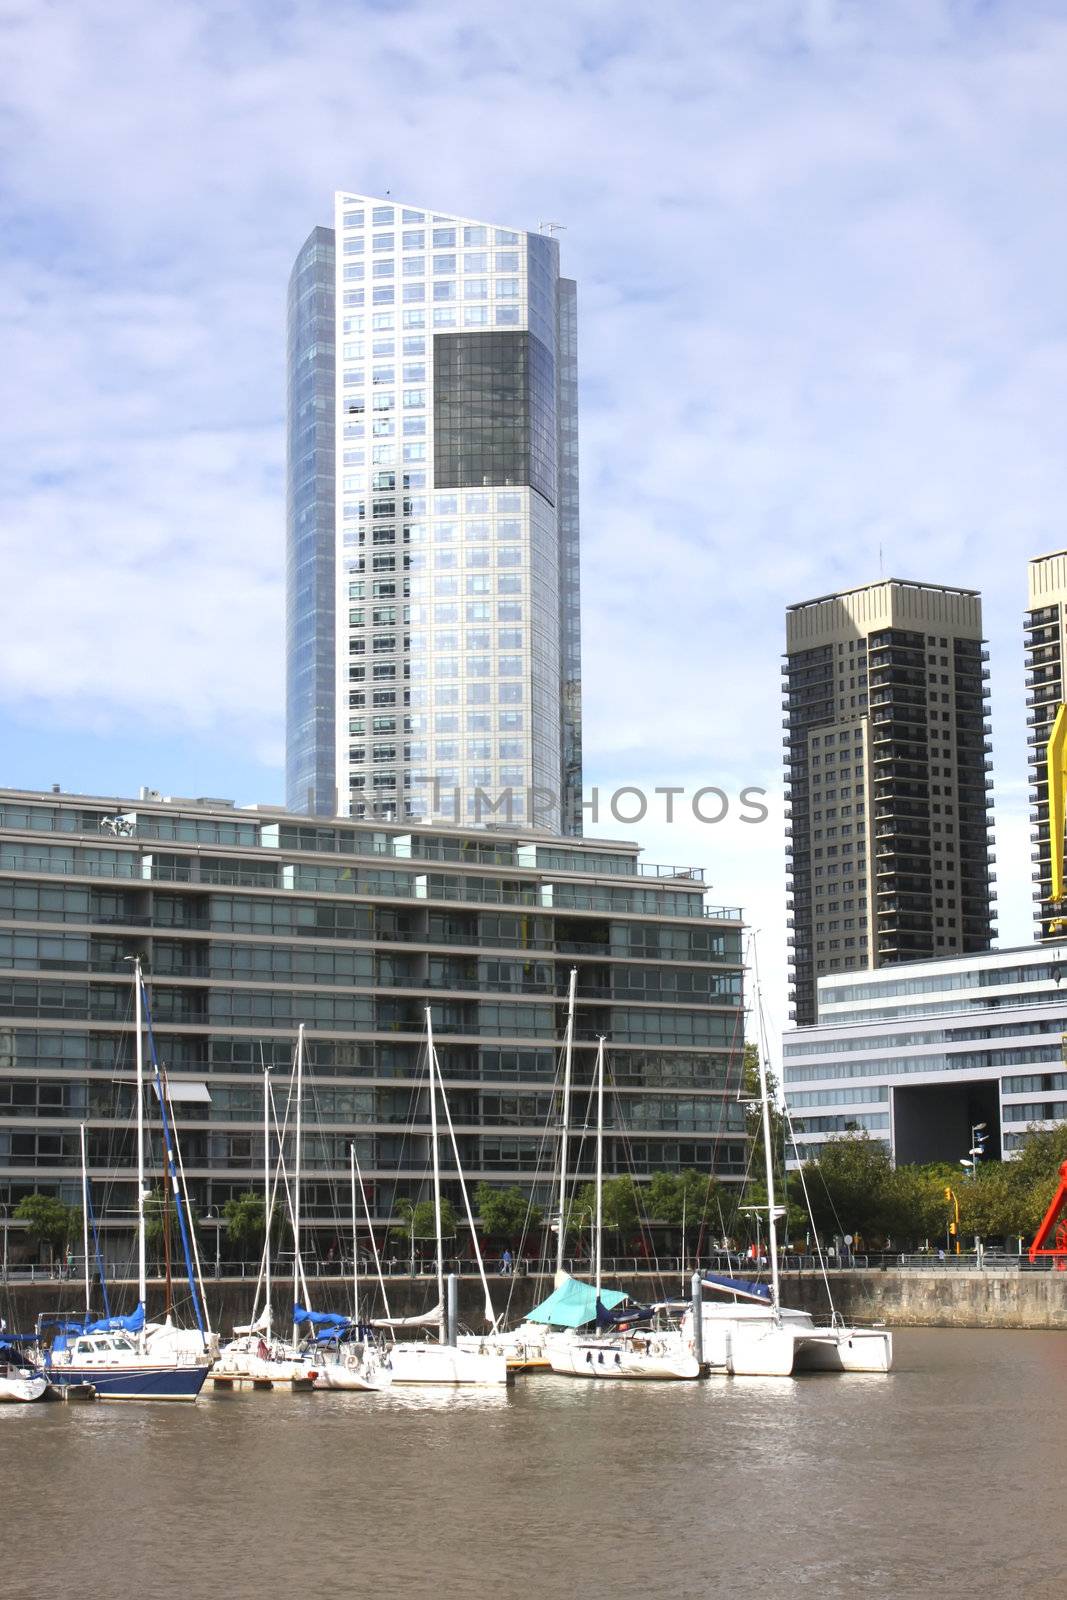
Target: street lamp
(213,1214)
(977,1150)
(7,1214)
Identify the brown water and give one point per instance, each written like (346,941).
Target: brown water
(941,1479)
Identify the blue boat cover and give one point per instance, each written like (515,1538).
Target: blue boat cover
(131,1324)
(574,1305)
(739,1287)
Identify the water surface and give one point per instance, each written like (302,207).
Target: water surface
(942,1478)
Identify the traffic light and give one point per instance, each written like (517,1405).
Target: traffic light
(948,1194)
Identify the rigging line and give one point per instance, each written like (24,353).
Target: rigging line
(807,1204)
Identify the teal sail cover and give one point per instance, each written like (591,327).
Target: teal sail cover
(573,1305)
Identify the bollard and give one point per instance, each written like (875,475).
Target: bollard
(697,1292)
(452,1310)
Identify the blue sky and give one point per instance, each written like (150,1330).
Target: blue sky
(820,252)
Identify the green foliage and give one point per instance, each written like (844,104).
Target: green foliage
(855,1189)
(48,1221)
(618,1206)
(674,1197)
(245,1218)
(505,1213)
(417,1221)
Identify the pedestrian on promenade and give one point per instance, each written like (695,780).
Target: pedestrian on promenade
(505,1263)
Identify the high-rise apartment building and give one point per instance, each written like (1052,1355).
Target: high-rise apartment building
(436,485)
(885,705)
(1046,643)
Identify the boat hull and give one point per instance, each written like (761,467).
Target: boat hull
(592,1358)
(20,1388)
(445,1364)
(134,1382)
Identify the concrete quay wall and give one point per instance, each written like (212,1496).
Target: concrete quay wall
(902,1299)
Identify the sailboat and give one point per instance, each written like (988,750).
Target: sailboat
(255,1358)
(114,1354)
(751,1334)
(655,1353)
(345,1355)
(446,1362)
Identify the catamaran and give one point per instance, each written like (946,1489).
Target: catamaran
(114,1353)
(749,1333)
(21,1380)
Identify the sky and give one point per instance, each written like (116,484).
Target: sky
(823,337)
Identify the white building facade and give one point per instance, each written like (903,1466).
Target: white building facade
(457,692)
(920,1054)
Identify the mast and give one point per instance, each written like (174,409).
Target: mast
(85,1219)
(297,1266)
(772,1225)
(768,1154)
(599,1159)
(436,1181)
(142,1265)
(355,1246)
(568,1056)
(266,1192)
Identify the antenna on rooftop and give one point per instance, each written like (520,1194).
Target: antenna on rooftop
(551,227)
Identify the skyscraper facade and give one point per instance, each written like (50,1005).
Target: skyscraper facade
(454,612)
(887,751)
(1046,644)
(310,578)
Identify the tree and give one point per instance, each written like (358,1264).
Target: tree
(677,1197)
(506,1213)
(417,1221)
(618,1205)
(245,1218)
(850,1186)
(750,1092)
(48,1221)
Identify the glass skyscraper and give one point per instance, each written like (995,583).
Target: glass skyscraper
(439,484)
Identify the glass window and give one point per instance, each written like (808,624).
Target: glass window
(383,214)
(384,241)
(444,238)
(417,397)
(507,316)
(475,288)
(415,240)
(414,347)
(512,749)
(384,269)
(383,321)
(476,261)
(475,236)
(507,288)
(507,261)
(444,317)
(415,428)
(478,558)
(443,265)
(414,292)
(353,219)
(476,317)
(478,721)
(510,694)
(510,666)
(509,721)
(478,666)
(353,247)
(444,291)
(415,319)
(352,297)
(414,266)
(505,236)
(383,347)
(412,216)
(509,558)
(478,639)
(415,372)
(510,639)
(353,269)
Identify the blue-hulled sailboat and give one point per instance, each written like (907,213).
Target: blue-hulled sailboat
(115,1353)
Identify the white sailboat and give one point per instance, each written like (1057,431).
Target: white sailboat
(751,1334)
(414,1362)
(347,1361)
(254,1358)
(656,1353)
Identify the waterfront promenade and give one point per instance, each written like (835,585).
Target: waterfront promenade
(995,1296)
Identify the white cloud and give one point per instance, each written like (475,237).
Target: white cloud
(819,250)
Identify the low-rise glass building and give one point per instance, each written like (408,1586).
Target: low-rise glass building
(920,1054)
(250,922)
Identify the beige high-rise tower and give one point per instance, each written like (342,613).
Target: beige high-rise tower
(887,753)
(1046,648)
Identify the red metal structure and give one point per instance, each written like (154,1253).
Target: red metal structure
(1054,1227)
